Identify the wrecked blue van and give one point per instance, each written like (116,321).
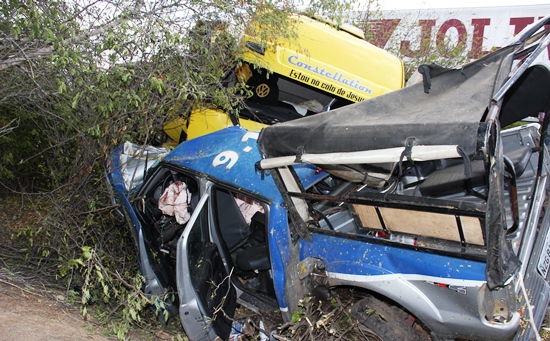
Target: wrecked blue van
(431,199)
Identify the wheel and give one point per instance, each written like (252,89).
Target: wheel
(386,322)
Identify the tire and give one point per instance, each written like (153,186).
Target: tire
(386,322)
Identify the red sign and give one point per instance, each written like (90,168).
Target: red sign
(471,32)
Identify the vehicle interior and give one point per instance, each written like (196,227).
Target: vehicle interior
(239,226)
(240,220)
(279,99)
(161,231)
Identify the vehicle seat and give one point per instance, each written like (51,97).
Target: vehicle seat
(257,226)
(256,255)
(232,225)
(452,180)
(254,258)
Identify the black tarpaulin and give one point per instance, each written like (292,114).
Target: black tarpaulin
(449,115)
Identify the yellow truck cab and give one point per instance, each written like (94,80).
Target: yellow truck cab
(321,67)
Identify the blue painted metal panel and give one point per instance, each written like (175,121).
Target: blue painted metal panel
(230,155)
(354,257)
(114,173)
(279,250)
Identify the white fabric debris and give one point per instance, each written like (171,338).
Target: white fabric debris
(175,202)
(135,160)
(248,208)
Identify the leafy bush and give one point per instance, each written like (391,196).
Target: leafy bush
(78,79)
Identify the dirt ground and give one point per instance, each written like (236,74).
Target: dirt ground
(30,315)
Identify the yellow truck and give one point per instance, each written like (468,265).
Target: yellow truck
(321,67)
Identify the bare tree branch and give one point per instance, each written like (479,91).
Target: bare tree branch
(7,128)
(47,50)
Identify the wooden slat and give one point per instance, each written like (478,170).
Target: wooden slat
(473,233)
(428,224)
(369,217)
